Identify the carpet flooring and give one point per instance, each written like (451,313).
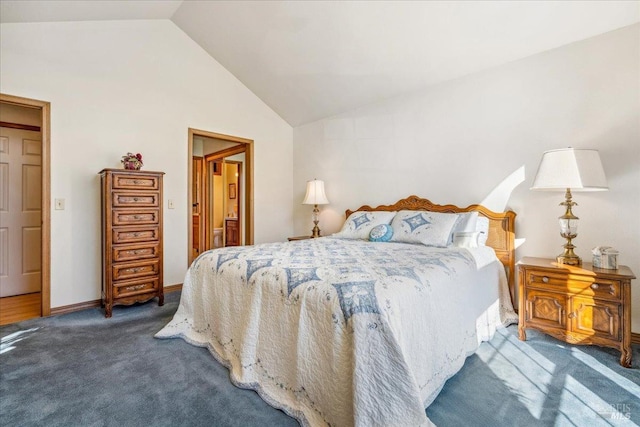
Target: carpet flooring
(81,369)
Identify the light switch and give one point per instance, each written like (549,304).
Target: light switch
(59,204)
(170,203)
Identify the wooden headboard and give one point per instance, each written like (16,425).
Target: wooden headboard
(501,228)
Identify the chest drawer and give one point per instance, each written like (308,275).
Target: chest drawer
(121,253)
(134,235)
(132,270)
(135,216)
(125,182)
(578,285)
(135,287)
(134,199)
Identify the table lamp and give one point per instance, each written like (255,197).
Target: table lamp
(569,169)
(315,196)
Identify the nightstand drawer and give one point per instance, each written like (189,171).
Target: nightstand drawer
(598,287)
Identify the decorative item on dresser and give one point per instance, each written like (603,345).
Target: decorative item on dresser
(131,237)
(578,305)
(132,161)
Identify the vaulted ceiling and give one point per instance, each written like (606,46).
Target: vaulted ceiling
(312,59)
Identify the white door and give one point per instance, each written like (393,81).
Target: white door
(20,211)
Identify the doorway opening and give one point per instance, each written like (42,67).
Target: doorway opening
(25,221)
(220,193)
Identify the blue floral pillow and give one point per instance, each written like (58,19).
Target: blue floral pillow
(381,233)
(359,224)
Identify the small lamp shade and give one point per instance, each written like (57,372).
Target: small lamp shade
(576,169)
(315,193)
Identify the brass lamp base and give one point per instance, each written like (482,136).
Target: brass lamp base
(568,257)
(316,230)
(571,260)
(568,230)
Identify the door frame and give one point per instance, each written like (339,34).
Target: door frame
(45,108)
(248,190)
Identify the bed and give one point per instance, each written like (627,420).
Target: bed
(339,331)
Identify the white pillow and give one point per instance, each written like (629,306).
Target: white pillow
(359,224)
(428,228)
(466,239)
(482,227)
(466,223)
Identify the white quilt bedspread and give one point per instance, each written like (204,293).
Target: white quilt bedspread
(343,332)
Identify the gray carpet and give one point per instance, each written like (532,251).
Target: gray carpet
(81,369)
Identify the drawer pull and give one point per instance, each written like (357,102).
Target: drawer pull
(572,315)
(137,182)
(545,279)
(136,217)
(135,270)
(135,199)
(594,286)
(135,288)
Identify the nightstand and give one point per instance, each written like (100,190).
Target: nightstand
(299,238)
(576,304)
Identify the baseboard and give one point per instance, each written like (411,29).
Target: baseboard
(635,338)
(173,288)
(97,303)
(64,309)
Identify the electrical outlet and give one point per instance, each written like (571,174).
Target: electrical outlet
(170,203)
(59,203)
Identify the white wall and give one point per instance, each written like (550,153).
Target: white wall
(118,86)
(457,142)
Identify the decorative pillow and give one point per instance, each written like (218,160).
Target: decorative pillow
(381,233)
(466,223)
(359,224)
(466,239)
(428,228)
(482,227)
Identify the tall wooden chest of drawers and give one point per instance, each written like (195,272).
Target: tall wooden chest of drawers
(131,237)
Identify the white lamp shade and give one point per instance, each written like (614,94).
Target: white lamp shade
(315,193)
(576,169)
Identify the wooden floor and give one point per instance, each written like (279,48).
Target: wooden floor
(20,307)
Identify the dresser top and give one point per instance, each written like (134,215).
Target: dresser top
(142,172)
(585,269)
